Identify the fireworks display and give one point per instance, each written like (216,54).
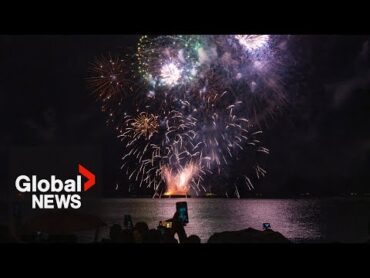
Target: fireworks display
(252,42)
(188,106)
(108,79)
(178,184)
(145,125)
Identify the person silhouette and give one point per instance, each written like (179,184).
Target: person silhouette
(140,231)
(115,233)
(178,228)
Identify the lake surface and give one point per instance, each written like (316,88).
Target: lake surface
(301,220)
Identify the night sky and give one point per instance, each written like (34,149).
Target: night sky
(319,143)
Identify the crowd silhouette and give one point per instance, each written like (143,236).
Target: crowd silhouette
(171,231)
(141,233)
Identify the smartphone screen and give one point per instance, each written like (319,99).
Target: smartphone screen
(182,211)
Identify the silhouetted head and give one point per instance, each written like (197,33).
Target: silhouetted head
(193,239)
(115,232)
(141,228)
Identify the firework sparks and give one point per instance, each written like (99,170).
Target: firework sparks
(170,74)
(178,184)
(145,125)
(252,42)
(107,76)
(198,100)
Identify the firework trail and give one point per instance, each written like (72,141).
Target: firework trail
(192,105)
(153,142)
(107,79)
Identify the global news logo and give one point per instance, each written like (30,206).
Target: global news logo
(54,193)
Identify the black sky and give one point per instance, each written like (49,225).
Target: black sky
(319,143)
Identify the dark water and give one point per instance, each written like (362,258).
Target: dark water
(301,220)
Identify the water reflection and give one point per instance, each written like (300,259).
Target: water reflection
(296,219)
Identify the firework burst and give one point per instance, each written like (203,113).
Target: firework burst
(197,106)
(107,77)
(145,125)
(253,42)
(169,144)
(179,183)
(109,81)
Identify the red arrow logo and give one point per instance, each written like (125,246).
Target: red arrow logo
(87,174)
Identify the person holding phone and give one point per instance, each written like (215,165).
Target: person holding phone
(170,227)
(175,225)
(178,228)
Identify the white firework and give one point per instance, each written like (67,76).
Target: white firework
(252,42)
(170,74)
